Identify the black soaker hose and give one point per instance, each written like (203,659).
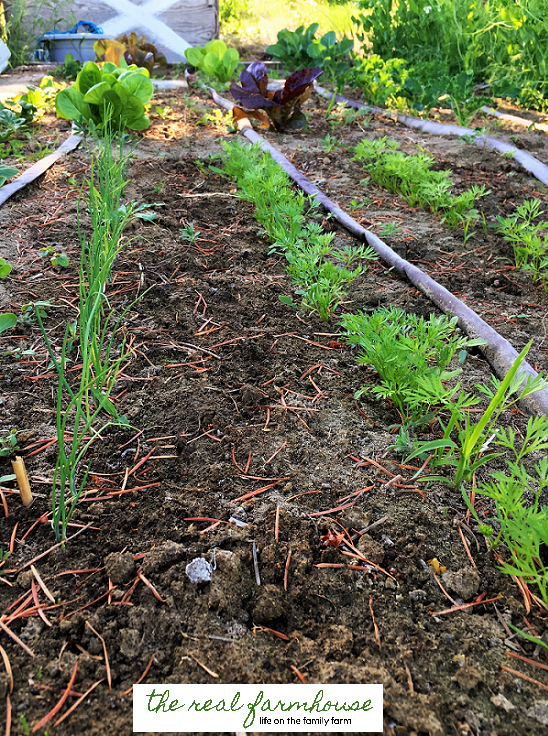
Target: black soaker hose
(530,163)
(498,351)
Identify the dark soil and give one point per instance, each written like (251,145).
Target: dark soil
(229,391)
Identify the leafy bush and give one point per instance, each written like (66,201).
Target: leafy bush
(301,48)
(378,79)
(214,59)
(502,42)
(281,108)
(112,95)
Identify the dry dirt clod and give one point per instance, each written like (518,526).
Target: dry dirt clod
(468,677)
(464,582)
(120,567)
(251,395)
(269,606)
(374,551)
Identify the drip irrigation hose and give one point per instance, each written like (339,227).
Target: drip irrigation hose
(530,163)
(498,351)
(514,119)
(72,142)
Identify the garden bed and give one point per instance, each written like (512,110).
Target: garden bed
(230,391)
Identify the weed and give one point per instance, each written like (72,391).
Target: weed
(356,204)
(5,268)
(55,258)
(24,724)
(31,310)
(474,439)
(389,230)
(329,143)
(8,444)
(163,112)
(4,555)
(189,234)
(7,321)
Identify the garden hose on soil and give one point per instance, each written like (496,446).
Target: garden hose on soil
(498,351)
(530,163)
(72,142)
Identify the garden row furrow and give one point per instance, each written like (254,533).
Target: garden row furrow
(529,163)
(500,353)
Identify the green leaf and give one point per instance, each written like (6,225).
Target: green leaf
(7,479)
(287,300)
(61,260)
(5,268)
(216,47)
(194,56)
(141,124)
(211,65)
(434,445)
(110,68)
(138,85)
(104,402)
(7,321)
(110,106)
(6,172)
(70,105)
(88,77)
(95,94)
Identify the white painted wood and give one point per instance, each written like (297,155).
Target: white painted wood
(171,25)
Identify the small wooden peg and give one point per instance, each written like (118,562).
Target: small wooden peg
(20,471)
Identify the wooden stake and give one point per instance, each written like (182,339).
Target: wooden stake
(20,471)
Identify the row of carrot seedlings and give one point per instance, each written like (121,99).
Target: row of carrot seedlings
(412,357)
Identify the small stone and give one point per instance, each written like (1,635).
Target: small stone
(24,579)
(120,567)
(417,595)
(539,711)
(199,570)
(468,677)
(464,582)
(499,701)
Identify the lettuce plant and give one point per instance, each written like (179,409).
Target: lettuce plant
(282,108)
(113,96)
(135,50)
(214,59)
